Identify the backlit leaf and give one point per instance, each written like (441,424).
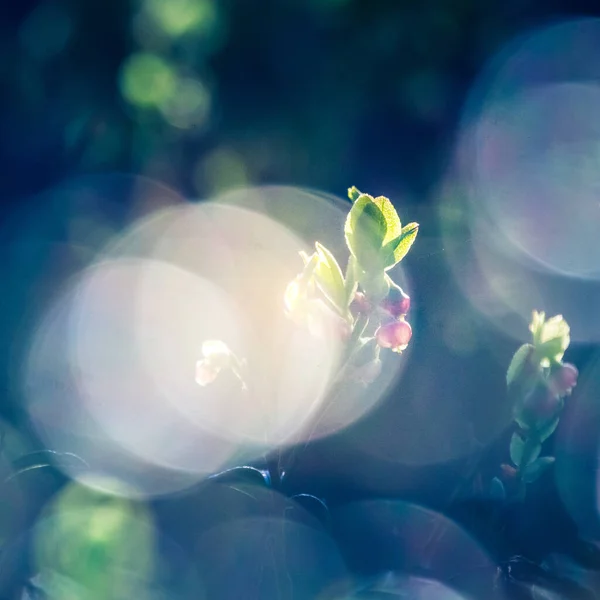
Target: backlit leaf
(365,230)
(395,250)
(329,278)
(518,362)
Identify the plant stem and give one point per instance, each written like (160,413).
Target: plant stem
(354,340)
(352,346)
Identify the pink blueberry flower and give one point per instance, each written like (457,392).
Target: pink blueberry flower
(564,379)
(361,304)
(394,335)
(397,303)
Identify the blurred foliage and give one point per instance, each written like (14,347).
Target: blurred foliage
(207,95)
(293,91)
(93,546)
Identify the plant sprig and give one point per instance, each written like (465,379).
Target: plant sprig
(538,383)
(361,304)
(367,303)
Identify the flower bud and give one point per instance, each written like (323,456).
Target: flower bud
(541,403)
(564,379)
(361,304)
(397,303)
(509,473)
(394,335)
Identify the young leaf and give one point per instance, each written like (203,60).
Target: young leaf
(351,282)
(392,220)
(329,278)
(354,193)
(365,230)
(551,337)
(518,363)
(497,490)
(395,250)
(537,322)
(537,468)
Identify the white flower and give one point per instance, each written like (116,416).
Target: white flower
(217,356)
(205,372)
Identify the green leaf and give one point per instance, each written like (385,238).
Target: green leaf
(392,220)
(524,451)
(376,286)
(551,337)
(351,282)
(531,451)
(310,264)
(497,490)
(537,322)
(518,363)
(523,418)
(354,193)
(547,429)
(395,250)
(552,351)
(517,444)
(365,230)
(329,278)
(537,468)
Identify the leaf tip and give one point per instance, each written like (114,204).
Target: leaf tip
(354,193)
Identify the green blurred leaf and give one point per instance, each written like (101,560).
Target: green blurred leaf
(531,451)
(329,278)
(523,419)
(517,444)
(103,544)
(395,250)
(147,79)
(537,468)
(524,451)
(497,490)
(547,429)
(518,363)
(365,230)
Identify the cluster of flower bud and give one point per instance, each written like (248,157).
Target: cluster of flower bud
(216,357)
(395,331)
(545,400)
